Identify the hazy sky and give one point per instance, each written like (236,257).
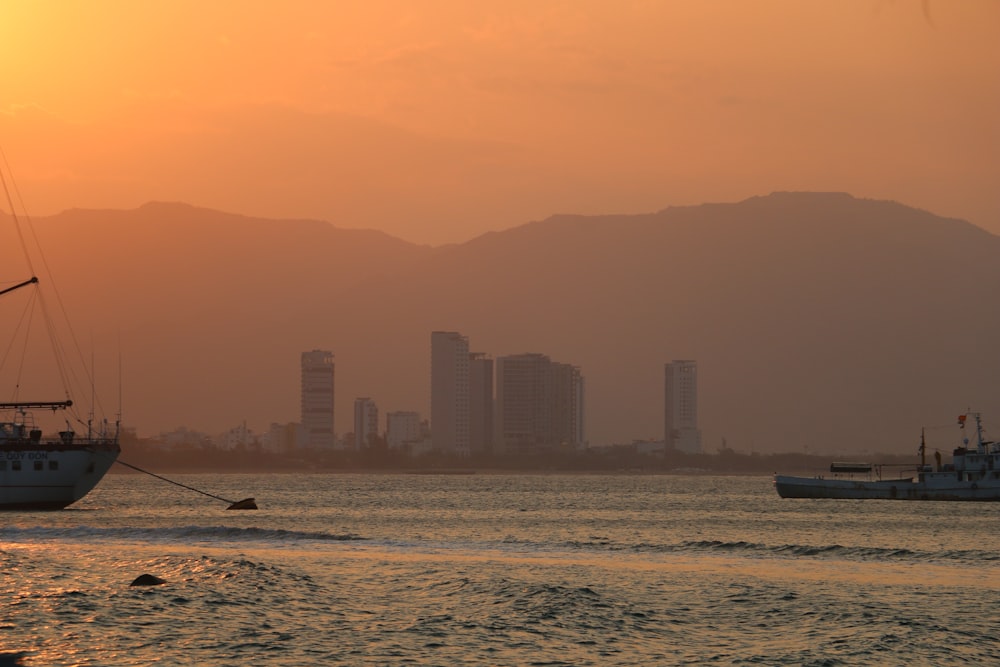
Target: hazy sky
(438,120)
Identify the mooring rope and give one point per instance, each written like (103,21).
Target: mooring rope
(190,488)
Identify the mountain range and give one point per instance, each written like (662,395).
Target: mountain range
(820,322)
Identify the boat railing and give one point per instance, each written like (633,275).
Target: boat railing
(872,471)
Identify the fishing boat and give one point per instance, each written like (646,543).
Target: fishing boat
(973,474)
(39,470)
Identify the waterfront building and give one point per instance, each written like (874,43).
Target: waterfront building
(365,422)
(681,407)
(236,437)
(402,428)
(318,373)
(450,392)
(280,438)
(566,397)
(540,404)
(182,437)
(480,403)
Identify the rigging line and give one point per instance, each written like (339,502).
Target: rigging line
(119,375)
(14,335)
(30,308)
(64,369)
(93,385)
(13,211)
(62,354)
(63,358)
(58,350)
(62,365)
(20,199)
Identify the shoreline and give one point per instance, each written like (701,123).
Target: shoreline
(462,472)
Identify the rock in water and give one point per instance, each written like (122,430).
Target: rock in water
(147,580)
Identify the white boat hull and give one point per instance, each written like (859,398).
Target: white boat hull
(898,489)
(45,477)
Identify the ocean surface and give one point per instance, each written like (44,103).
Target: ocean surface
(497,570)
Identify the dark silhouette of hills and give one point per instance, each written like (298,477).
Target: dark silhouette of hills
(820,322)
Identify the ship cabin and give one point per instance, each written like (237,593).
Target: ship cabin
(970,464)
(983,462)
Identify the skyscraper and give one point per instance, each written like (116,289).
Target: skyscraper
(480,403)
(317,399)
(450,392)
(681,407)
(402,428)
(365,422)
(539,404)
(566,396)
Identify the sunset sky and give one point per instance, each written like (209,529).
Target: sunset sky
(437,121)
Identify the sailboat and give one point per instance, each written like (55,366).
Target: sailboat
(39,470)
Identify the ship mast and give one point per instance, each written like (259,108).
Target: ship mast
(923,448)
(979,434)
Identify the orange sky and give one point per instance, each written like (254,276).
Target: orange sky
(438,120)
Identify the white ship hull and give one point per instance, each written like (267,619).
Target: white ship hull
(898,489)
(43,476)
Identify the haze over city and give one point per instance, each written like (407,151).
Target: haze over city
(433,124)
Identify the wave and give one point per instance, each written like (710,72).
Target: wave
(527,610)
(830,551)
(840,551)
(186,534)
(275,537)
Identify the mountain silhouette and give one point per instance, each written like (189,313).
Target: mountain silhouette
(819,321)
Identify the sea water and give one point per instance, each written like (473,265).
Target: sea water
(491,569)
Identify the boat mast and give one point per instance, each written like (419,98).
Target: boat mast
(923,448)
(979,434)
(93,393)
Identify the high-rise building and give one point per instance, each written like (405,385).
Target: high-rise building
(365,422)
(521,387)
(402,428)
(681,407)
(450,392)
(566,396)
(480,403)
(280,437)
(539,404)
(317,399)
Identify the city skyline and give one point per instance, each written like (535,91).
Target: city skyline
(534,405)
(733,295)
(545,178)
